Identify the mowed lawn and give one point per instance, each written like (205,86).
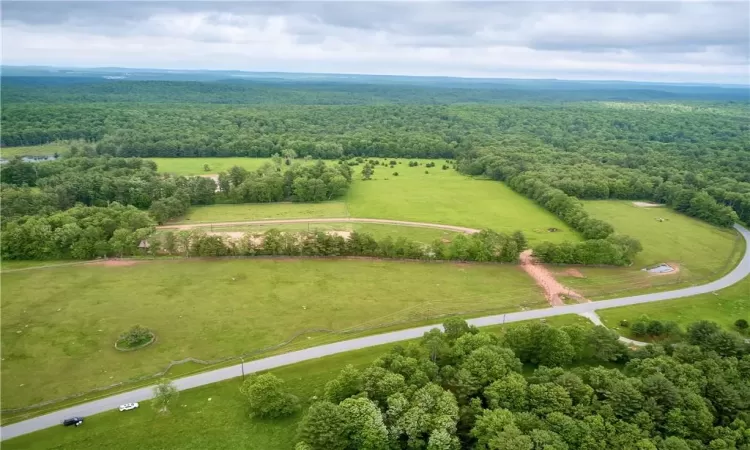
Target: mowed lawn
(723,307)
(448,197)
(60,324)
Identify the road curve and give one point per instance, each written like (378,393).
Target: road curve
(110,403)
(403,223)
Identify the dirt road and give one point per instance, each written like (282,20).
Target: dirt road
(403,223)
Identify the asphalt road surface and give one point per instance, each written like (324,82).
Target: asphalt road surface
(110,403)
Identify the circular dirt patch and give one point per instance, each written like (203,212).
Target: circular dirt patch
(137,347)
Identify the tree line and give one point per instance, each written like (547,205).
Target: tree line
(38,188)
(485,246)
(462,388)
(81,232)
(693,157)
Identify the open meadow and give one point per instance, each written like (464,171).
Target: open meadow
(439,196)
(60,324)
(196,166)
(699,251)
(35,150)
(723,307)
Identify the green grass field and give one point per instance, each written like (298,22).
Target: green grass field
(263,211)
(442,196)
(194,166)
(448,197)
(724,307)
(222,422)
(35,150)
(702,252)
(699,248)
(59,324)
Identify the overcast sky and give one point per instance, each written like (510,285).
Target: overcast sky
(654,41)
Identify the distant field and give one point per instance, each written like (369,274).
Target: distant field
(724,307)
(59,325)
(702,252)
(700,249)
(262,211)
(441,196)
(35,150)
(194,166)
(448,197)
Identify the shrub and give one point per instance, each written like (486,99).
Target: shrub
(624,323)
(266,397)
(655,328)
(639,328)
(741,325)
(426,172)
(395,174)
(445,167)
(134,337)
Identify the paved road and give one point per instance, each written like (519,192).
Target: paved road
(53,419)
(322,220)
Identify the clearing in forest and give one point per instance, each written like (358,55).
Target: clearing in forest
(699,250)
(419,193)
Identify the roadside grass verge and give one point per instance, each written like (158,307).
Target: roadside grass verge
(218,308)
(195,422)
(723,307)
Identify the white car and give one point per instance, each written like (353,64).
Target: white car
(128,406)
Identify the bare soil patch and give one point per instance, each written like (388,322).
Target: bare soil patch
(553,290)
(574,273)
(647,205)
(115,262)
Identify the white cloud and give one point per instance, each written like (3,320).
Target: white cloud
(672,41)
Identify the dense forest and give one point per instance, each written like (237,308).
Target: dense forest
(534,387)
(563,142)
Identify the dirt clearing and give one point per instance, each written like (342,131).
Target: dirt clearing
(553,290)
(647,205)
(115,262)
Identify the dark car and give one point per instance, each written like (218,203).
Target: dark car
(73,421)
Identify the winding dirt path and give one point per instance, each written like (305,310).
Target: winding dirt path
(188,226)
